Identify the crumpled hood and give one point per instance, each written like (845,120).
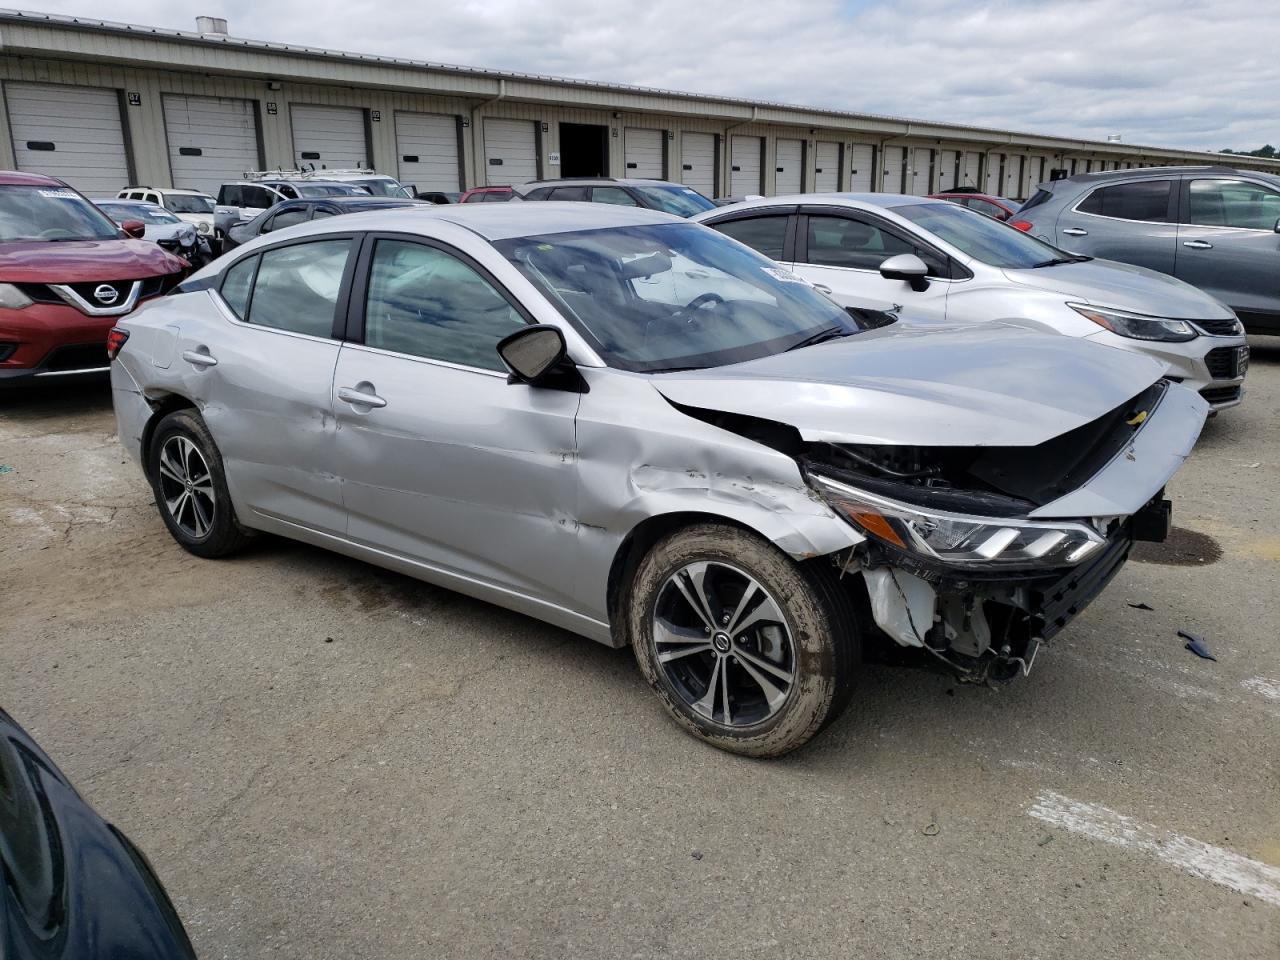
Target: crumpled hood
(80,261)
(976,385)
(1106,283)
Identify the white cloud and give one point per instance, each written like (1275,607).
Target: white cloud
(1175,73)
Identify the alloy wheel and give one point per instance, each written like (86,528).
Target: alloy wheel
(186,485)
(723,644)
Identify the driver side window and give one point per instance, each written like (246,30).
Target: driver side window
(428,303)
(853,244)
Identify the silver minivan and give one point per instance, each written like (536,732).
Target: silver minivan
(1217,228)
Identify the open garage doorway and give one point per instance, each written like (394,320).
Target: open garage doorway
(584,150)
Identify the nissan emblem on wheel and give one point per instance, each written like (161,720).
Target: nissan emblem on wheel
(642,431)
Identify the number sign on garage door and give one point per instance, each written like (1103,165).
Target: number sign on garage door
(862,159)
(211,140)
(789,168)
(510,152)
(698,162)
(427,151)
(826,171)
(744,168)
(73,133)
(643,152)
(330,138)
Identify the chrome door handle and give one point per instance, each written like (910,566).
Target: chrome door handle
(360,398)
(822,288)
(1075,232)
(199,358)
(1198,244)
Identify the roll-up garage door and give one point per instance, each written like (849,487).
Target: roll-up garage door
(894,168)
(1014,168)
(861,167)
(427,151)
(698,162)
(73,133)
(510,152)
(211,140)
(826,167)
(995,174)
(331,138)
(946,172)
(643,152)
(921,177)
(970,168)
(789,167)
(744,166)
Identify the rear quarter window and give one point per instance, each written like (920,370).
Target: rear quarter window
(1146,200)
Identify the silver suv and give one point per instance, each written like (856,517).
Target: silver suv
(1217,228)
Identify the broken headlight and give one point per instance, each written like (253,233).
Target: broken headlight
(961,540)
(1136,326)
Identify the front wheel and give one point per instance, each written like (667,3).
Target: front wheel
(190,487)
(745,648)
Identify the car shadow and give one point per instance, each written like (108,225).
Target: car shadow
(56,397)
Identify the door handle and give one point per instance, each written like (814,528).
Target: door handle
(358,398)
(822,288)
(199,357)
(1198,244)
(1076,232)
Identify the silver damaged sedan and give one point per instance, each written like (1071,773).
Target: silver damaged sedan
(647,433)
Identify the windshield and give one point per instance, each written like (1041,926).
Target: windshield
(330,190)
(682,201)
(188,203)
(982,238)
(146,212)
(51,213)
(383,187)
(674,296)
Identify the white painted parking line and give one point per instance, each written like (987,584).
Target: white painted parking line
(1268,688)
(1199,859)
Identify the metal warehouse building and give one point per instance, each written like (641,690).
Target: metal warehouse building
(107,104)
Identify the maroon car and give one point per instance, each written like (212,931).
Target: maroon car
(488,195)
(1000,208)
(67,274)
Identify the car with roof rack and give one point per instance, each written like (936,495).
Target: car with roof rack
(1214,227)
(933,261)
(673,198)
(67,274)
(378,184)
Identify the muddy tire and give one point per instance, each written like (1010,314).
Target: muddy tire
(190,487)
(745,648)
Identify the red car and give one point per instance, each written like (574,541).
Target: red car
(997,207)
(488,195)
(67,274)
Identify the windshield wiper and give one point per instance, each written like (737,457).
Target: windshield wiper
(1057,260)
(822,336)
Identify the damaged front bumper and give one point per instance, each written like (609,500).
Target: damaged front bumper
(982,592)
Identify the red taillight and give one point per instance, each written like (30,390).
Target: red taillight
(115,340)
(1023,225)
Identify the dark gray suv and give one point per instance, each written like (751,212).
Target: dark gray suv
(1217,228)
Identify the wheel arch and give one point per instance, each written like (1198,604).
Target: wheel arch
(161,407)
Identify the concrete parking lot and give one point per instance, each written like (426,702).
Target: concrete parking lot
(323,759)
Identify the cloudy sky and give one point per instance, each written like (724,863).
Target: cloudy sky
(1182,73)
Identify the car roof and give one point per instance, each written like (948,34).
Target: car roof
(596,181)
(854,201)
(15,178)
(361,200)
(1104,175)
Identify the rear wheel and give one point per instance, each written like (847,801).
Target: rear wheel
(745,648)
(190,487)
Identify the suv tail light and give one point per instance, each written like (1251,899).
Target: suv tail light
(115,340)
(1023,225)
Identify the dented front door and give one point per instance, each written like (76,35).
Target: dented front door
(442,461)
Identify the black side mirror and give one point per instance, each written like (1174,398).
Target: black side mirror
(907,267)
(533,353)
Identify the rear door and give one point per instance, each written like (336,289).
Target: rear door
(261,370)
(442,460)
(1228,246)
(841,251)
(1133,222)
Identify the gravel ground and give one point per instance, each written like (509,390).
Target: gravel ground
(323,759)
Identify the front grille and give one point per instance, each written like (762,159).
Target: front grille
(80,356)
(1216,395)
(87,291)
(1062,601)
(1221,363)
(1220,328)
